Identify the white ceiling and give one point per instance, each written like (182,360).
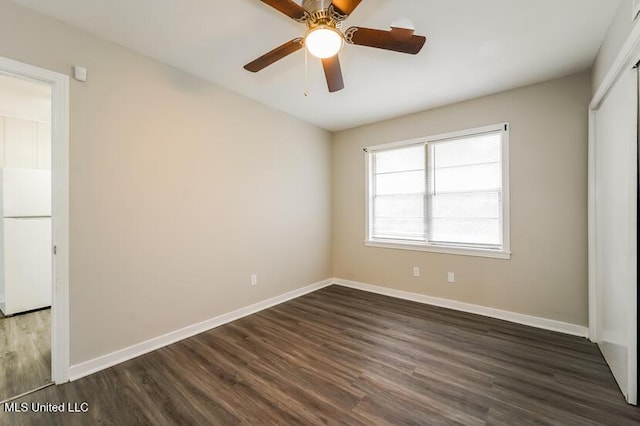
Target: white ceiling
(474,48)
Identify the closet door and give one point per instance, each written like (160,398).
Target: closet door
(616,231)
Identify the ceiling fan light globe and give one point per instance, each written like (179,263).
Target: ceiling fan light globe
(323,41)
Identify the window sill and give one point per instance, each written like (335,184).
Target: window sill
(477,252)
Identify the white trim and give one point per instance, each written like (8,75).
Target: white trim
(97,364)
(543,323)
(506,197)
(368,190)
(592,228)
(626,57)
(60,210)
(463,251)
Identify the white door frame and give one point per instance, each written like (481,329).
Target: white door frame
(627,58)
(60,209)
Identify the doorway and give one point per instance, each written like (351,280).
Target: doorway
(34,345)
(25,236)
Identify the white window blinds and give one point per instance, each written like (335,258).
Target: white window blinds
(446,191)
(465,191)
(398,202)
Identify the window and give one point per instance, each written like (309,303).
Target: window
(445,193)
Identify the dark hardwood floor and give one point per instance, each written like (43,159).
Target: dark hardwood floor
(25,352)
(341,356)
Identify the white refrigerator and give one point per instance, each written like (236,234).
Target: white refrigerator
(25,240)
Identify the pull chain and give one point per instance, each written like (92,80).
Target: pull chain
(306,72)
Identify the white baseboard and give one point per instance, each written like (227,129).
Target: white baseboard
(97,364)
(94,365)
(547,324)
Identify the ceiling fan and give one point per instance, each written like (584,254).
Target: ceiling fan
(324,37)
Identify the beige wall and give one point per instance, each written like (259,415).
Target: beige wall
(616,36)
(180,190)
(547,274)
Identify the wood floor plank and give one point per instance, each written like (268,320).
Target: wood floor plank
(342,356)
(25,352)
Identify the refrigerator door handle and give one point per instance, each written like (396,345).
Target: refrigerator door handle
(26,217)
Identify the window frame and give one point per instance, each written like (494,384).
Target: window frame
(503,253)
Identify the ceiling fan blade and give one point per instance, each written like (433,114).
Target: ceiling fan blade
(333,73)
(402,33)
(275,55)
(288,7)
(345,7)
(398,39)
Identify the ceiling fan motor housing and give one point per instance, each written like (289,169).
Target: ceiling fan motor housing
(313,5)
(321,12)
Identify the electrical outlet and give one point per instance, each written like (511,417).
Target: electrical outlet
(254,279)
(451,277)
(416,271)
